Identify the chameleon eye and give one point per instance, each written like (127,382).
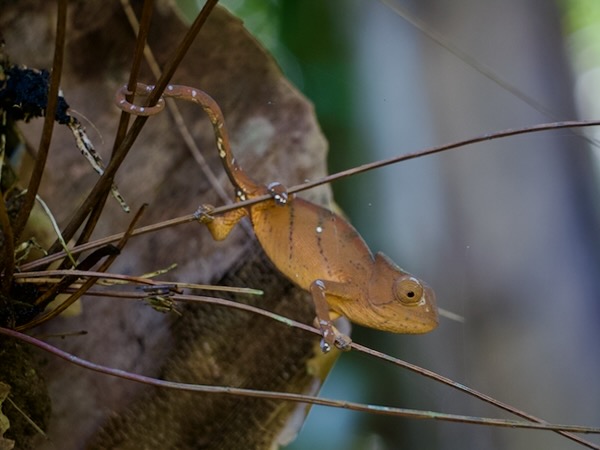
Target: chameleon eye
(408,290)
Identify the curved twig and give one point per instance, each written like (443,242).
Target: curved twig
(285,396)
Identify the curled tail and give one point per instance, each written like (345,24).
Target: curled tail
(244,186)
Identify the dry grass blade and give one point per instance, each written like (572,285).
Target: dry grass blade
(42,154)
(48,276)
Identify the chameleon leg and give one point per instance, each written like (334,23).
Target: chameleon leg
(330,334)
(219,226)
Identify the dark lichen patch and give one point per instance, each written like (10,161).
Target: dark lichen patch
(28,390)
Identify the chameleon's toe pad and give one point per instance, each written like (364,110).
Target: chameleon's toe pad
(331,336)
(204,214)
(343,342)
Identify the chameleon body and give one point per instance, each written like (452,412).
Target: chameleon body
(315,248)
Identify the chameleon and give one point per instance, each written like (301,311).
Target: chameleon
(315,248)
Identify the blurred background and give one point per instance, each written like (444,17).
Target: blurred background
(506,232)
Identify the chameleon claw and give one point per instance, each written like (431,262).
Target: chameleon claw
(328,334)
(331,336)
(343,342)
(279,193)
(203,214)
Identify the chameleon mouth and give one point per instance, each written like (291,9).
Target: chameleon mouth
(417,318)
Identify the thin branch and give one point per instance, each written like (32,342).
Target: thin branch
(478,66)
(140,42)
(328,179)
(56,229)
(46,139)
(7,266)
(284,396)
(68,280)
(51,293)
(138,55)
(28,419)
(466,390)
(396,361)
(45,276)
(442,148)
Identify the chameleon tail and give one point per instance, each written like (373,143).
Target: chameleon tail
(244,186)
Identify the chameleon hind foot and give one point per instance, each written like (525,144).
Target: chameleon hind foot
(204,213)
(342,341)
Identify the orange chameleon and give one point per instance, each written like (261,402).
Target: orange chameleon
(315,248)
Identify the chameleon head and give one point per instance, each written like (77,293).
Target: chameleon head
(398,302)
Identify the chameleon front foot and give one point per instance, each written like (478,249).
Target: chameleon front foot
(279,193)
(331,337)
(204,213)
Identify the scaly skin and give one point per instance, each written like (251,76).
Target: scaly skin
(315,248)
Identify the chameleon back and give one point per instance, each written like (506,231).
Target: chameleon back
(306,242)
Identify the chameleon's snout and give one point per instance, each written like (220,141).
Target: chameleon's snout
(429,316)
